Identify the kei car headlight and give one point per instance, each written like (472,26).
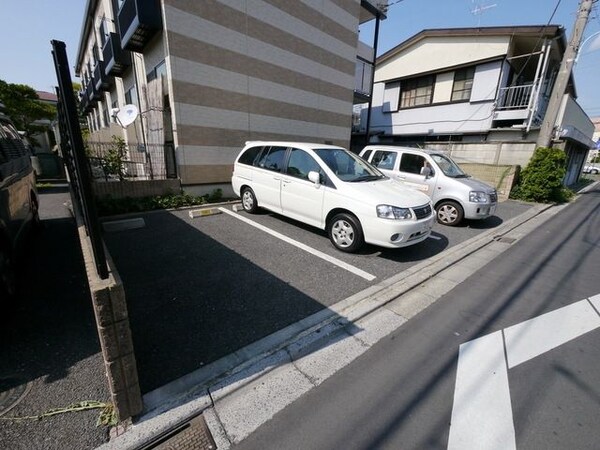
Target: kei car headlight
(478,197)
(393,212)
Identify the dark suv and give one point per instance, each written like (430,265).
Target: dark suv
(18,202)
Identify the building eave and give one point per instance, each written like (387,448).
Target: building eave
(550,31)
(86,26)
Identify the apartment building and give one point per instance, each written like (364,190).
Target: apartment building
(206,76)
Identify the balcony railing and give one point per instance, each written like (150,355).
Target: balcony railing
(92,93)
(116,60)
(515,97)
(363,77)
(139,20)
(102,81)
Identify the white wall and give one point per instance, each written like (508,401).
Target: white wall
(571,114)
(437,53)
(441,117)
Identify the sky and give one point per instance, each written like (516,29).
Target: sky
(28,26)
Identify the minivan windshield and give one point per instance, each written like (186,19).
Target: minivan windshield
(449,167)
(348,166)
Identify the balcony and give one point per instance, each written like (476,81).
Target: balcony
(514,102)
(116,60)
(83,100)
(363,77)
(139,21)
(92,93)
(102,82)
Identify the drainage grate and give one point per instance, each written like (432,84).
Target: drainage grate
(505,240)
(192,435)
(12,391)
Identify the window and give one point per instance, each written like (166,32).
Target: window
(131,96)
(416,91)
(366,155)
(411,163)
(249,156)
(272,159)
(384,160)
(104,32)
(113,116)
(159,71)
(106,114)
(463,83)
(95,54)
(301,163)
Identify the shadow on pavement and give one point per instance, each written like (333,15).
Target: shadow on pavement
(193,300)
(48,339)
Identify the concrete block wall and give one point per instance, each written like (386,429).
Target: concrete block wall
(136,189)
(114,332)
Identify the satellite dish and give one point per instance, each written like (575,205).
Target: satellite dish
(127,115)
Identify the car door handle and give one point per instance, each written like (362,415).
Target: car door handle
(277,179)
(400,177)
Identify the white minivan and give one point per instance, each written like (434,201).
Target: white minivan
(455,195)
(333,189)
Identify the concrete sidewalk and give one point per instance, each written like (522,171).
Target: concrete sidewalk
(272,372)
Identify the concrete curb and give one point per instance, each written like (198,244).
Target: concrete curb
(345,331)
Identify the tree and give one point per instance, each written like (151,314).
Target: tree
(24,107)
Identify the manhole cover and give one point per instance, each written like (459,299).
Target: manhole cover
(192,435)
(12,391)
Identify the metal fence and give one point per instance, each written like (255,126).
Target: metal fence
(515,97)
(110,162)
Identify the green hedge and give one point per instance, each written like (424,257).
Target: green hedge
(541,181)
(109,206)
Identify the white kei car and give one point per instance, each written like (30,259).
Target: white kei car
(333,189)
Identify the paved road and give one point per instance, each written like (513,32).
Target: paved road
(49,341)
(400,394)
(200,289)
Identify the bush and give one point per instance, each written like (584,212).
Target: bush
(541,181)
(110,206)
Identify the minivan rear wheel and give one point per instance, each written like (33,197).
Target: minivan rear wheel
(449,213)
(249,202)
(345,232)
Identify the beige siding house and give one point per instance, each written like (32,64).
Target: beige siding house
(209,75)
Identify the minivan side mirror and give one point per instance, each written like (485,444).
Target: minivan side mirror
(314,176)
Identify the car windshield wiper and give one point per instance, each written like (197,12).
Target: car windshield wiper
(367,178)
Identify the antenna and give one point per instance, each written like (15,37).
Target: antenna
(127,115)
(478,10)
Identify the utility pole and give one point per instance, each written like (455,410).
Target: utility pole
(562,79)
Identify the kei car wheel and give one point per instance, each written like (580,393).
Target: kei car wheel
(449,213)
(249,202)
(345,232)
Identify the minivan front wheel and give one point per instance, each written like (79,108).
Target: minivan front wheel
(249,202)
(449,213)
(345,232)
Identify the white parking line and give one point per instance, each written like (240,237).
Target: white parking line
(356,271)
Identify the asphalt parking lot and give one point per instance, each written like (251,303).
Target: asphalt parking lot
(201,288)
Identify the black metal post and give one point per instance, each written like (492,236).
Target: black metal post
(75,145)
(375,43)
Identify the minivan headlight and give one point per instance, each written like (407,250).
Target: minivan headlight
(393,212)
(478,197)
